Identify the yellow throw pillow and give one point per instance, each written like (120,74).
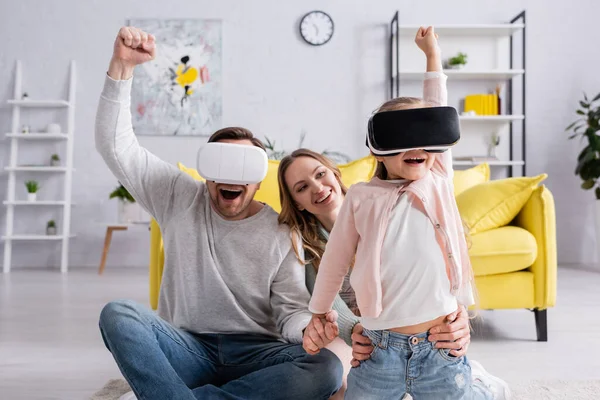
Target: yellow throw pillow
(269,190)
(465,179)
(190,171)
(361,170)
(494,204)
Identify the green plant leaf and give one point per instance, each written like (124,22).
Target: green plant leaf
(584,105)
(573,136)
(572,125)
(587,185)
(596,98)
(585,96)
(598,193)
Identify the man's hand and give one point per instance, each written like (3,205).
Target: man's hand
(132,47)
(320,331)
(362,347)
(453,334)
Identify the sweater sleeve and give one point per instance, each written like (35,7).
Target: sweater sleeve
(289,299)
(158,186)
(339,253)
(346,318)
(435,92)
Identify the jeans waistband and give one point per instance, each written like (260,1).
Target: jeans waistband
(383,339)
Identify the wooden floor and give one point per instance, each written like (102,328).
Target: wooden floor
(50,346)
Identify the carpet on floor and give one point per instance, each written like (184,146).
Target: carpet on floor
(534,390)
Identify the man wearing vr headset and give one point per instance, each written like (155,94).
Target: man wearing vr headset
(231,289)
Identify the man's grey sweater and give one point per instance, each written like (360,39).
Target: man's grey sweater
(219,276)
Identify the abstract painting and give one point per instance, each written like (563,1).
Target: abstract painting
(179,92)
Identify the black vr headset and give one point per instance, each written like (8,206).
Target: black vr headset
(433,129)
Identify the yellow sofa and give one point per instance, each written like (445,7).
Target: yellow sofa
(514,265)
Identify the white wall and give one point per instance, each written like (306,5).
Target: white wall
(278,86)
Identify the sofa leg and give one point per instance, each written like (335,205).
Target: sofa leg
(541,324)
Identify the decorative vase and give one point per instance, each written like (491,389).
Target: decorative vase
(55,163)
(53,128)
(31,196)
(50,230)
(128,212)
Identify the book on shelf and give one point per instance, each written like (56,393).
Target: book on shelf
(482,104)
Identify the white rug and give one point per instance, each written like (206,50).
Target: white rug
(535,390)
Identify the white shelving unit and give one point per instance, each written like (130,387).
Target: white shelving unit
(491,75)
(38,136)
(492,163)
(497,30)
(14,168)
(491,67)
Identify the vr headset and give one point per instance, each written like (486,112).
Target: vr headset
(234,164)
(433,129)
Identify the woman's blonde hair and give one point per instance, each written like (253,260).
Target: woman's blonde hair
(399,103)
(304,226)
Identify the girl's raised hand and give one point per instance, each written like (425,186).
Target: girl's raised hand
(426,39)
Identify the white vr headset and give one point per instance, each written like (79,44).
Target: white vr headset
(234,164)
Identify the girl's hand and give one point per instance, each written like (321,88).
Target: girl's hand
(362,346)
(426,39)
(320,331)
(453,334)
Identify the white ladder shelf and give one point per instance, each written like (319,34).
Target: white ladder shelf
(13,168)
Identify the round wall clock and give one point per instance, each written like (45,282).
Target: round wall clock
(316,28)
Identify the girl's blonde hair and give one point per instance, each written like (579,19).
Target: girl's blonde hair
(304,226)
(399,103)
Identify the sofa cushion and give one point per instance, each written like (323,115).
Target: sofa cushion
(502,250)
(269,191)
(467,178)
(361,170)
(494,204)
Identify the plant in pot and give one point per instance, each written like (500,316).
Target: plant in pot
(55,160)
(51,227)
(457,62)
(128,210)
(588,161)
(32,189)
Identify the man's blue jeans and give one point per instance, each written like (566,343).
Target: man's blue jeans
(162,362)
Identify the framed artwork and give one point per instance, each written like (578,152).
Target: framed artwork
(179,93)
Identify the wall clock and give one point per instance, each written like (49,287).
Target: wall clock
(316,28)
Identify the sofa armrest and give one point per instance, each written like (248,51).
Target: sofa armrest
(539,218)
(157,261)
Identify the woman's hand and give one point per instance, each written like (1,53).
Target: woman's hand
(320,331)
(454,334)
(362,346)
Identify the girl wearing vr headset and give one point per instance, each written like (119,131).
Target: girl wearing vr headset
(404,237)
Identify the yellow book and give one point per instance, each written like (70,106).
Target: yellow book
(496,104)
(483,104)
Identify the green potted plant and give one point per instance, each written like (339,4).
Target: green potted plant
(128,211)
(32,189)
(54,160)
(586,127)
(457,62)
(51,227)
